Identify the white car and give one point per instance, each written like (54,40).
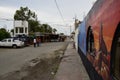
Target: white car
(11,42)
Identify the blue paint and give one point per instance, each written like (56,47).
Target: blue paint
(82,37)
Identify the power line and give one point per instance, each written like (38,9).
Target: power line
(7,19)
(59,10)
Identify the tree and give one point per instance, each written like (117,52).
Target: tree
(54,30)
(12,30)
(26,14)
(45,28)
(61,33)
(34,26)
(4,34)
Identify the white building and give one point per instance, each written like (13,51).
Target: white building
(20,27)
(76,38)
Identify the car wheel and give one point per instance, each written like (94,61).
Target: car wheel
(14,46)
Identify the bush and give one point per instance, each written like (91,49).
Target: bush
(4,34)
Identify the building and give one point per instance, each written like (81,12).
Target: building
(20,28)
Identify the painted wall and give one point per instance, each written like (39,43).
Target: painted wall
(82,37)
(103,18)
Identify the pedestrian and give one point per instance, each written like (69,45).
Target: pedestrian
(34,41)
(37,42)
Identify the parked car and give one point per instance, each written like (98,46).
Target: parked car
(24,39)
(11,42)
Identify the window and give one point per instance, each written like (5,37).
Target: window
(16,30)
(9,40)
(21,30)
(25,30)
(4,40)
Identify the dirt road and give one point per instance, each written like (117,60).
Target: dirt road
(14,59)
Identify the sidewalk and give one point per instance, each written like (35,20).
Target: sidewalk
(71,67)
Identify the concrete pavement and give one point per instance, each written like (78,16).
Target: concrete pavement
(71,66)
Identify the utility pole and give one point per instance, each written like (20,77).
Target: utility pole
(75,22)
(70,30)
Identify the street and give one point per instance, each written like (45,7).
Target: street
(13,59)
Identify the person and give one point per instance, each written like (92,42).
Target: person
(34,41)
(38,41)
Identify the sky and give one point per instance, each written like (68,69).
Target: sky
(47,12)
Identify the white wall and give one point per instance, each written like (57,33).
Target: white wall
(20,24)
(76,38)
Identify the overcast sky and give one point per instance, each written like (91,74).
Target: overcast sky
(47,12)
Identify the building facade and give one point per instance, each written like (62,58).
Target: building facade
(20,27)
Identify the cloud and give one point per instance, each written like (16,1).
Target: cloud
(93,0)
(44,17)
(7,12)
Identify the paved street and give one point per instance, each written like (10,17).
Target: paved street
(13,59)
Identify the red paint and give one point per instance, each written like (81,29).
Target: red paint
(107,13)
